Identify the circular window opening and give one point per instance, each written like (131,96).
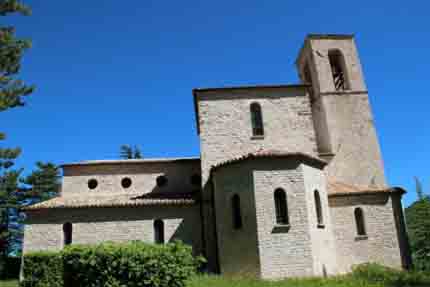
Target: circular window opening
(161,181)
(196,179)
(92,183)
(126,182)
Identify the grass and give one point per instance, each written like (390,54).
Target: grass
(9,283)
(218,281)
(367,275)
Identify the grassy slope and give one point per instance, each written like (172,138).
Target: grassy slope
(217,281)
(12,283)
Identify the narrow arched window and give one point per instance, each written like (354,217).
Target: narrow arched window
(338,70)
(67,233)
(257,120)
(281,207)
(318,208)
(237,214)
(359,221)
(159,231)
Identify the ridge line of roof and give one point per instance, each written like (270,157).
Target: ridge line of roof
(129,161)
(248,87)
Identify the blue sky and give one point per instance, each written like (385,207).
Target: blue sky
(121,72)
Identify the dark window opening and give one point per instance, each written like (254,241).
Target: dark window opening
(196,180)
(359,221)
(126,182)
(237,214)
(257,120)
(281,207)
(337,65)
(318,208)
(67,233)
(161,181)
(92,183)
(159,231)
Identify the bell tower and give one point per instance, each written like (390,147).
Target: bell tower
(341,112)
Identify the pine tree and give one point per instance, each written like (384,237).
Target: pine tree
(129,152)
(419,188)
(418,222)
(44,182)
(12,94)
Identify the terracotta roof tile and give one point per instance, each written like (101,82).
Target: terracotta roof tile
(115,200)
(274,154)
(336,188)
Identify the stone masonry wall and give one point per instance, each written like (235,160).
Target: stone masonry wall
(350,132)
(44,229)
(357,158)
(226,132)
(143,176)
(322,237)
(238,251)
(380,246)
(284,251)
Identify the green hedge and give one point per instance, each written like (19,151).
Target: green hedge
(112,265)
(43,269)
(9,268)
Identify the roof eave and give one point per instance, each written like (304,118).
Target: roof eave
(388,191)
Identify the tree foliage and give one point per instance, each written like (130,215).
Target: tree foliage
(129,152)
(419,188)
(418,223)
(44,181)
(12,94)
(12,89)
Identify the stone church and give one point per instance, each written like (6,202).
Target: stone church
(290,181)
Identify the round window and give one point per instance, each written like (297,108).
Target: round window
(161,181)
(92,183)
(126,182)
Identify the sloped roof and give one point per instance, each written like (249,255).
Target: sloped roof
(131,161)
(336,188)
(309,159)
(115,200)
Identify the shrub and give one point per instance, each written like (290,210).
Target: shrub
(113,265)
(10,267)
(43,269)
(374,273)
(418,219)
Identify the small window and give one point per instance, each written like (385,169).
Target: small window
(359,221)
(92,183)
(237,214)
(337,65)
(126,182)
(281,207)
(256,120)
(196,180)
(161,181)
(318,208)
(67,233)
(159,231)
